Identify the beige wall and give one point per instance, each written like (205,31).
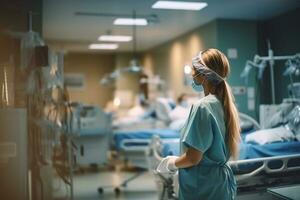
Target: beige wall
(93,67)
(167,60)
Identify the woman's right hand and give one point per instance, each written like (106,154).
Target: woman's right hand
(167,165)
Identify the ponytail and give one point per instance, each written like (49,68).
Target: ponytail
(217,61)
(231,120)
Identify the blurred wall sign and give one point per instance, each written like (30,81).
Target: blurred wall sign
(75,81)
(232,53)
(238,90)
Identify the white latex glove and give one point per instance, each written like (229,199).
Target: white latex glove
(167,165)
(176,184)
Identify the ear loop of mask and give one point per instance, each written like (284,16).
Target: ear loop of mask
(198,75)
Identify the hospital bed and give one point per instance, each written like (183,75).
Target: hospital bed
(132,136)
(258,167)
(133,146)
(135,131)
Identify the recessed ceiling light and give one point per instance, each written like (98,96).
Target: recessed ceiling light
(104,46)
(179,5)
(115,38)
(187,69)
(131,21)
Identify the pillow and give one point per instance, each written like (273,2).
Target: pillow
(266,136)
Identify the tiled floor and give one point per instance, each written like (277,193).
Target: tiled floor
(86,186)
(142,188)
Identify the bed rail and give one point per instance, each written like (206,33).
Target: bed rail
(265,165)
(141,144)
(134,144)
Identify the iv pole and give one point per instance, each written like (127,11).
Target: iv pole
(271,55)
(271,59)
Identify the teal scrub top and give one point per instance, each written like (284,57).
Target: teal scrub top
(205,131)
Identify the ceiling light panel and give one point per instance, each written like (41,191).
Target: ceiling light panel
(131,21)
(104,46)
(179,5)
(115,38)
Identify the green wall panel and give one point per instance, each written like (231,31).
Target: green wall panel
(240,35)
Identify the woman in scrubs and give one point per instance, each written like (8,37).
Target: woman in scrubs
(210,135)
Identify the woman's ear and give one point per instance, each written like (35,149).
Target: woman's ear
(198,79)
(212,88)
(201,80)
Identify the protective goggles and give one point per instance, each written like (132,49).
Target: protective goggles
(208,74)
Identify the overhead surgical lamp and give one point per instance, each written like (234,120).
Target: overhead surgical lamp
(133,64)
(134,67)
(261,67)
(249,65)
(291,69)
(112,77)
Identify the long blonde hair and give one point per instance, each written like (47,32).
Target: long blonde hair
(217,61)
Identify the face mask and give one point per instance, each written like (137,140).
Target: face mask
(196,87)
(184,104)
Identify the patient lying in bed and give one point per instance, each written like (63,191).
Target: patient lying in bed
(162,113)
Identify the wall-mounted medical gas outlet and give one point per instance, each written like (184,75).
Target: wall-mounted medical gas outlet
(238,90)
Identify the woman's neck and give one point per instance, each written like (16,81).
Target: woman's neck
(206,92)
(207,89)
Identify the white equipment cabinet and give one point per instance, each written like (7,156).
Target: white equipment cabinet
(13,154)
(93,130)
